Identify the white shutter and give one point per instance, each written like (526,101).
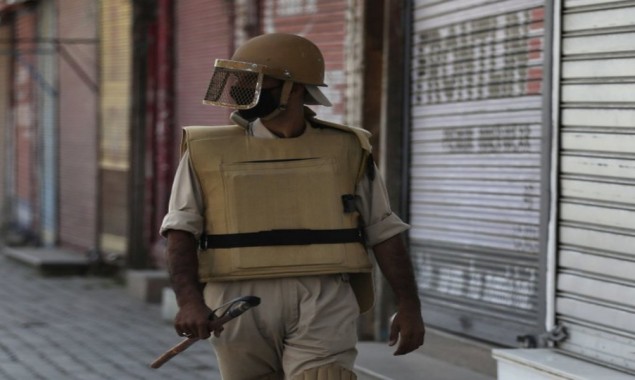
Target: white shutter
(595,297)
(476,164)
(47,93)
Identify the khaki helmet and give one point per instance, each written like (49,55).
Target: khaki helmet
(237,82)
(285,57)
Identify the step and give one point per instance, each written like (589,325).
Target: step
(148,284)
(376,361)
(50,261)
(444,356)
(549,364)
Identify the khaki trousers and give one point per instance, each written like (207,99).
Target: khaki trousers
(301,323)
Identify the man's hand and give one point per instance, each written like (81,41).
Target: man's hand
(193,321)
(407,327)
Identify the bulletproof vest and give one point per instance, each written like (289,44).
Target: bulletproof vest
(280,207)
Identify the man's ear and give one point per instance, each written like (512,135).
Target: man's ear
(298,88)
(297,93)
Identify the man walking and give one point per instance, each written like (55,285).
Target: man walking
(283,206)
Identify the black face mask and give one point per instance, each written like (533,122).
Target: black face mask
(267,103)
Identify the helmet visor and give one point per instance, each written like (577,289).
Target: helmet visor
(234,84)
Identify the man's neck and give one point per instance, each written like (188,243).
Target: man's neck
(288,124)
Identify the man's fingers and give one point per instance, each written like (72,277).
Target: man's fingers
(213,326)
(182,329)
(409,343)
(409,329)
(192,330)
(394,334)
(404,348)
(218,331)
(203,330)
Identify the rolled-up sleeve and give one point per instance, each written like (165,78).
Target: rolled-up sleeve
(381,223)
(185,208)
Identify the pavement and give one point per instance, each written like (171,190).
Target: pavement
(90,328)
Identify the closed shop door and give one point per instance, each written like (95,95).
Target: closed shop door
(596,249)
(78,82)
(5,85)
(114,162)
(476,165)
(47,94)
(25,123)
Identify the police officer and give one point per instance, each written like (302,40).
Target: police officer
(283,206)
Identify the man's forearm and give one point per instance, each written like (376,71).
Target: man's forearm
(183,267)
(395,264)
(407,326)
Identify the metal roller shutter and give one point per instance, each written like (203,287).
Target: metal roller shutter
(595,283)
(5,86)
(114,161)
(25,119)
(47,113)
(476,165)
(78,61)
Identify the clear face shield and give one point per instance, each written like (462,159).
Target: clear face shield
(235,84)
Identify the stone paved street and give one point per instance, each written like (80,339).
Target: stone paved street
(85,328)
(91,328)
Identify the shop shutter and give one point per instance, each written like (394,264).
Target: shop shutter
(25,119)
(476,165)
(595,283)
(78,61)
(5,86)
(114,161)
(47,94)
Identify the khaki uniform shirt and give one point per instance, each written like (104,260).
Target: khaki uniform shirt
(185,209)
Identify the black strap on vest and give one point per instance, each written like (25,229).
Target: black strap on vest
(370,168)
(282,237)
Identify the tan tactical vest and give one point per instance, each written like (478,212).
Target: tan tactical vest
(281,207)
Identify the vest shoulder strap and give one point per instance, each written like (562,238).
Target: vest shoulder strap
(362,135)
(197,132)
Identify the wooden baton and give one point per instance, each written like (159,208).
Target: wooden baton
(236,308)
(172,352)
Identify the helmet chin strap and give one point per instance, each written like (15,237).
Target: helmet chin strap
(284,99)
(236,118)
